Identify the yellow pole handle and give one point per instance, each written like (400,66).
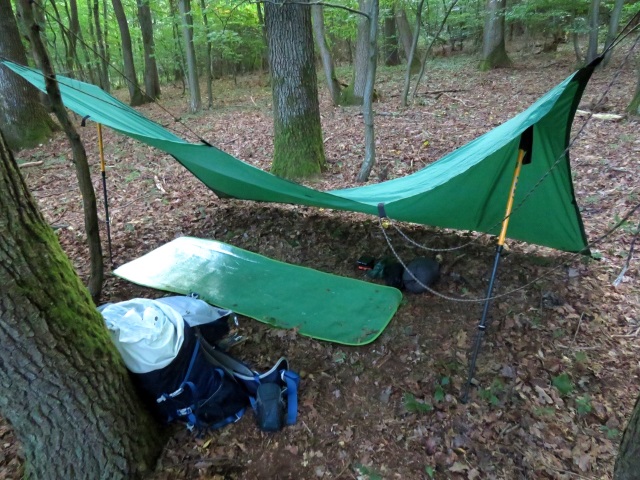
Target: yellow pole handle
(101,148)
(512,194)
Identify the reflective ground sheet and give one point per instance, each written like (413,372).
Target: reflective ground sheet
(319,305)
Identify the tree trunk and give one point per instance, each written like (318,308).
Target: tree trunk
(354,93)
(367,108)
(614,24)
(263,29)
(22,117)
(63,385)
(494,52)
(104,64)
(406,38)
(634,106)
(195,101)
(79,155)
(594,24)
(327,61)
(151,77)
(207,62)
(412,54)
(627,463)
(430,47)
(391,55)
(298,147)
(135,94)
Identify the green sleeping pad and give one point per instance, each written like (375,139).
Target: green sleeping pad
(317,304)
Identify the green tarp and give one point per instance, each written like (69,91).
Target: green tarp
(467,189)
(317,304)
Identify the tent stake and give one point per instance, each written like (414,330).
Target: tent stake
(482,326)
(104,189)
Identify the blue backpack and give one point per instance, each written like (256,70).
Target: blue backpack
(200,383)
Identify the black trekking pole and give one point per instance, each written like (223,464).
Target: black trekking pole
(482,326)
(104,189)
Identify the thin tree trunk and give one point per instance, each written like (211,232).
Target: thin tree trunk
(354,93)
(594,24)
(195,101)
(63,386)
(263,28)
(64,36)
(327,61)
(412,52)
(430,47)
(151,77)
(367,108)
(627,463)
(207,62)
(298,148)
(135,95)
(79,155)
(24,120)
(614,24)
(104,70)
(634,106)
(406,38)
(494,52)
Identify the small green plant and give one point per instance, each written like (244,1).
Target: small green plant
(430,471)
(544,411)
(490,394)
(370,473)
(439,393)
(583,404)
(413,405)
(581,357)
(563,383)
(611,433)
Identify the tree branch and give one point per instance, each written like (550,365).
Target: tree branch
(322,4)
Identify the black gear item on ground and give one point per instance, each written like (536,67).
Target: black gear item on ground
(426,270)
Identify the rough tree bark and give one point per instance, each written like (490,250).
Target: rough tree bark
(325,54)
(24,120)
(628,461)
(494,52)
(135,94)
(79,155)
(63,385)
(298,148)
(195,100)
(151,77)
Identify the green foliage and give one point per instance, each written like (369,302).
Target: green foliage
(490,394)
(430,471)
(563,384)
(413,405)
(583,404)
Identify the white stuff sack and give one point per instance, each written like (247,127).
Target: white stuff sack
(149,333)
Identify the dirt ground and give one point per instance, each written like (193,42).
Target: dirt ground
(558,373)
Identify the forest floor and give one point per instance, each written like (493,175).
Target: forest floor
(558,373)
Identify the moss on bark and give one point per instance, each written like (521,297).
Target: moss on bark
(298,149)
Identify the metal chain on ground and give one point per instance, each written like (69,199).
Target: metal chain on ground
(510,292)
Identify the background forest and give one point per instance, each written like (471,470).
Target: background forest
(333,95)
